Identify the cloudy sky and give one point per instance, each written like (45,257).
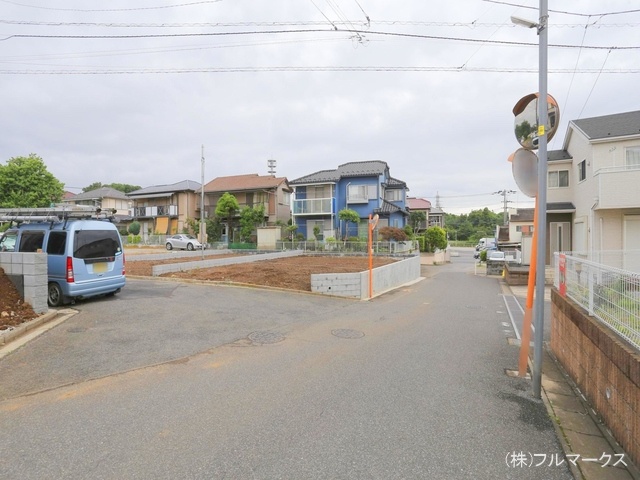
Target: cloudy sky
(129,92)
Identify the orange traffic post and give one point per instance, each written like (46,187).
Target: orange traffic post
(369,246)
(528,312)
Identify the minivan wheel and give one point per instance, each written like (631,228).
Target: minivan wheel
(189,246)
(169,246)
(55,298)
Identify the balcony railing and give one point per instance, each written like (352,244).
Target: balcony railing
(618,187)
(313,206)
(156,211)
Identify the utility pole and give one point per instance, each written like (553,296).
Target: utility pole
(202,227)
(504,194)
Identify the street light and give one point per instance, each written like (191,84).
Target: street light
(542,191)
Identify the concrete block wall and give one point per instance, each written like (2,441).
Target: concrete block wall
(604,366)
(356,285)
(28,272)
(157,270)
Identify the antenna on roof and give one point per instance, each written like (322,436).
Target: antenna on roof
(272,166)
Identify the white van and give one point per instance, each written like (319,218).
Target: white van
(84,256)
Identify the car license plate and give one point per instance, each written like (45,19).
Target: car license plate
(99,267)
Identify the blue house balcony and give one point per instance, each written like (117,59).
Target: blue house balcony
(314,206)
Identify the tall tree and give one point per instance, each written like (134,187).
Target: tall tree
(348,215)
(26,182)
(226,208)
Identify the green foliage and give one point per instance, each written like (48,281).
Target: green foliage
(227,207)
(483,256)
(299,236)
(250,218)
(134,228)
(435,237)
(291,229)
(348,215)
(26,182)
(473,226)
(122,187)
(134,239)
(393,233)
(422,243)
(213,227)
(416,218)
(316,231)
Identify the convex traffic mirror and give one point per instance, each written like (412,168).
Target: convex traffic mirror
(524,164)
(526,124)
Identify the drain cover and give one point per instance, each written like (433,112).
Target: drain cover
(264,338)
(347,333)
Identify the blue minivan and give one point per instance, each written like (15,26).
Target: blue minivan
(84,257)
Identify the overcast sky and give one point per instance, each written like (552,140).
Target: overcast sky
(335,81)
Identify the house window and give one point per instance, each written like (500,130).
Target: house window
(286,198)
(393,195)
(582,170)
(524,228)
(360,193)
(558,179)
(632,157)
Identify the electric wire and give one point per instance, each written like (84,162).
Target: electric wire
(594,85)
(111,9)
(622,12)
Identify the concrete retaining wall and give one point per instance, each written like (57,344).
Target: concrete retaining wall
(605,368)
(28,272)
(356,285)
(219,262)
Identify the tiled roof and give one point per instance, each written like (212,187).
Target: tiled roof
(103,192)
(238,183)
(395,183)
(523,215)
(610,126)
(388,207)
(174,187)
(418,203)
(351,169)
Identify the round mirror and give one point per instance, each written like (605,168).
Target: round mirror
(526,125)
(524,164)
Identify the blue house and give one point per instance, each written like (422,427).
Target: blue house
(366,187)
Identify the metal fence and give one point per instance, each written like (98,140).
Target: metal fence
(406,247)
(610,294)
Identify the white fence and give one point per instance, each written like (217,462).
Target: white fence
(402,248)
(610,294)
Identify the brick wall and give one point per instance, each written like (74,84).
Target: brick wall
(605,368)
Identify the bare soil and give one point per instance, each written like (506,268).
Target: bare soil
(13,310)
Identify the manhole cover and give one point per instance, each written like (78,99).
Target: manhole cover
(347,333)
(264,338)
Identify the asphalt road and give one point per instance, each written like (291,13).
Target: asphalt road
(184,381)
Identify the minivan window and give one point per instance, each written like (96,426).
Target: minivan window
(56,243)
(96,244)
(31,241)
(8,242)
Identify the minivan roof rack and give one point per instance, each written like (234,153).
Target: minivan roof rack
(56,213)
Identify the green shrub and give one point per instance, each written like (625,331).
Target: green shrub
(393,233)
(483,256)
(134,228)
(134,239)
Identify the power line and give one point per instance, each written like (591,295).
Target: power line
(111,9)
(149,71)
(623,12)
(296,31)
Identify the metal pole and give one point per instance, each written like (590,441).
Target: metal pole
(202,227)
(542,201)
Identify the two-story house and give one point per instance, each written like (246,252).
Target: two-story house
(164,209)
(251,190)
(107,199)
(415,204)
(365,187)
(593,194)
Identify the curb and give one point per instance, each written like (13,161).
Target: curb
(19,336)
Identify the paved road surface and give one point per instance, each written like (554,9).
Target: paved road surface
(213,382)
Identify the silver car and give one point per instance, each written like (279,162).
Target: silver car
(183,241)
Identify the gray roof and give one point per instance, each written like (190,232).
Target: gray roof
(558,155)
(395,183)
(174,187)
(387,208)
(523,215)
(560,207)
(610,126)
(103,192)
(351,169)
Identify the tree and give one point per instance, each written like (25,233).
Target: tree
(134,228)
(347,215)
(393,233)
(416,218)
(26,182)
(122,187)
(250,218)
(436,237)
(226,208)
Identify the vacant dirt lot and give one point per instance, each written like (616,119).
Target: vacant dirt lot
(293,273)
(13,311)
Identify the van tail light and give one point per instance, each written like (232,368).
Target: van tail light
(123,269)
(70,278)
